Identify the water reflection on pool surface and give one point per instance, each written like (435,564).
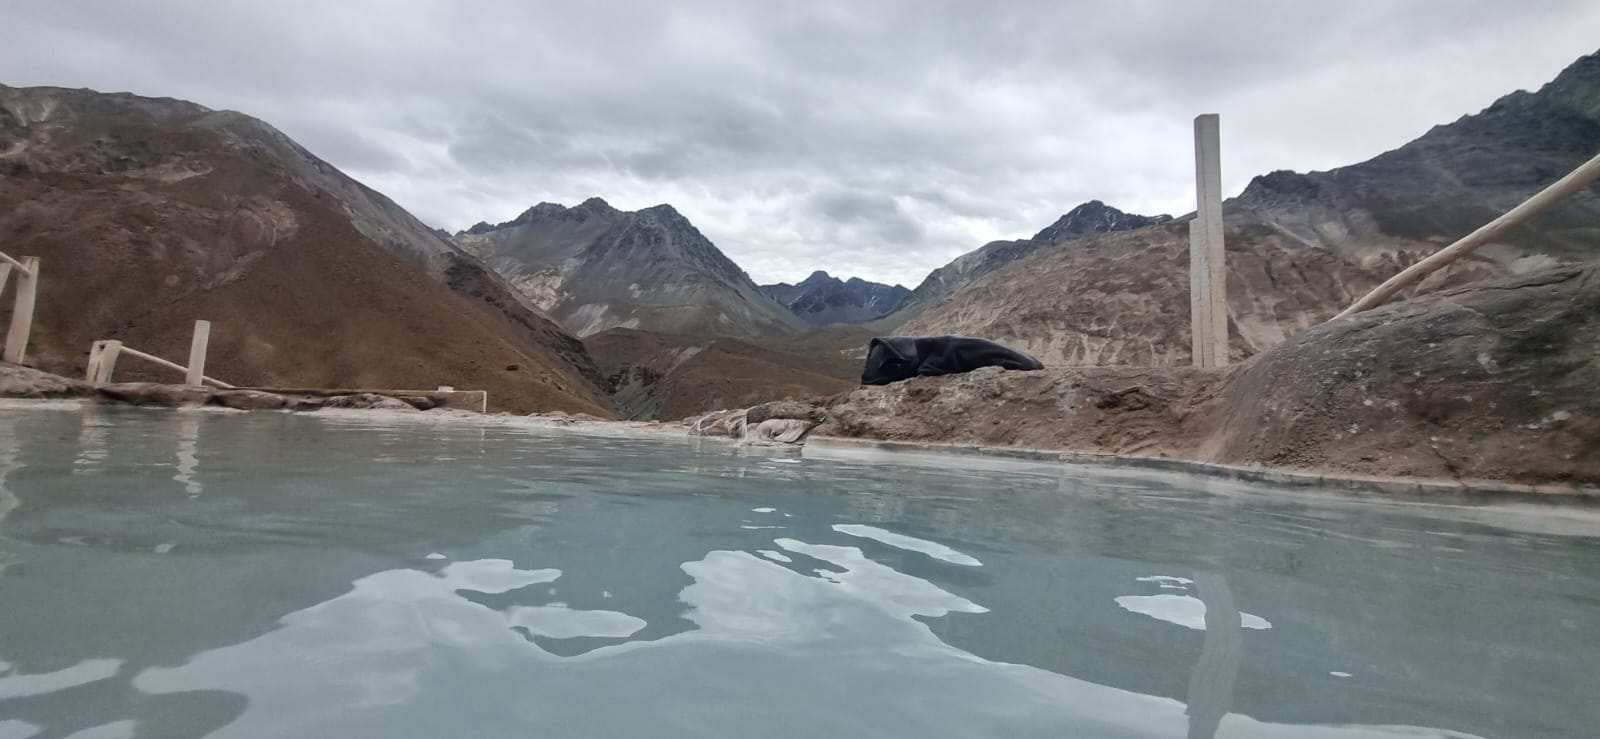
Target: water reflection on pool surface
(185,574)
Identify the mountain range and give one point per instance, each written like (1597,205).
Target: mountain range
(152,212)
(822,299)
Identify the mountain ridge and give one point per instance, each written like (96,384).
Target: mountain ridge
(1089,217)
(593,267)
(822,299)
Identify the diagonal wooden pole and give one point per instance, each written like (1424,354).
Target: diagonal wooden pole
(1576,180)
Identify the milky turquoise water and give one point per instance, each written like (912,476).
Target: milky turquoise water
(187,574)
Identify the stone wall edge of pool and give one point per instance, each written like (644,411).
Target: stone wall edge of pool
(1432,490)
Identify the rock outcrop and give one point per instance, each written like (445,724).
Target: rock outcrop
(25,382)
(1490,382)
(823,299)
(593,267)
(149,213)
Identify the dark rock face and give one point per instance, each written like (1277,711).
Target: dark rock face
(1490,382)
(822,299)
(150,213)
(593,267)
(1093,217)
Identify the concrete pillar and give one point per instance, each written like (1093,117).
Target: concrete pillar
(197,354)
(93,368)
(22,313)
(1208,279)
(107,362)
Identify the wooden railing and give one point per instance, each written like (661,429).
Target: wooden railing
(103,359)
(22,312)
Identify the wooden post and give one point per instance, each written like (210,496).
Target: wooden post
(22,313)
(1208,274)
(107,362)
(1575,180)
(197,354)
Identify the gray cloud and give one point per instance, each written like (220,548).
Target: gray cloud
(878,139)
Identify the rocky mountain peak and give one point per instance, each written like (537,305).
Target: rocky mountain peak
(1091,218)
(1578,86)
(593,267)
(822,298)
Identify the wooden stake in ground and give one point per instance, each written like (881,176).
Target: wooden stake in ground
(1578,179)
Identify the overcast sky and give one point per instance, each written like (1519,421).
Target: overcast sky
(878,139)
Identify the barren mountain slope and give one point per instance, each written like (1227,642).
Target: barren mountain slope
(593,267)
(149,213)
(1302,247)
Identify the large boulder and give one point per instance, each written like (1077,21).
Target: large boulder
(1497,382)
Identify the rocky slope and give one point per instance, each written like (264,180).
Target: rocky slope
(593,267)
(149,213)
(1489,382)
(1123,298)
(659,376)
(1093,217)
(1453,179)
(1301,247)
(823,299)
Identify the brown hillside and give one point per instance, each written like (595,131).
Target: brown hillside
(150,213)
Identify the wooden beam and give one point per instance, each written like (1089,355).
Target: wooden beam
(171,365)
(1575,180)
(22,312)
(13,261)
